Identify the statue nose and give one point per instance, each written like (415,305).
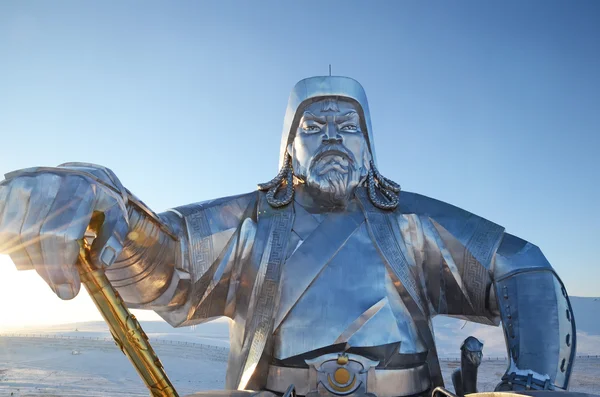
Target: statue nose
(331,135)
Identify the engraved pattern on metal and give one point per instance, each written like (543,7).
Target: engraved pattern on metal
(471,276)
(484,241)
(383,235)
(381,228)
(474,275)
(200,239)
(266,306)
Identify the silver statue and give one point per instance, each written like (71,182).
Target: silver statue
(330,274)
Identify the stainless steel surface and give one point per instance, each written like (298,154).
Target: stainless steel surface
(335,374)
(45,211)
(333,257)
(312,89)
(148,272)
(320,273)
(233,393)
(329,117)
(464,378)
(407,382)
(529,300)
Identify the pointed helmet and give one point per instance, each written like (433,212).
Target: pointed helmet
(313,89)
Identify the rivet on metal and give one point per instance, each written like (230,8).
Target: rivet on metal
(508,314)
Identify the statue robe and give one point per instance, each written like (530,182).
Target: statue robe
(246,261)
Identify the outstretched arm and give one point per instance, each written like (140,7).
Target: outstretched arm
(523,293)
(191,278)
(536,313)
(217,239)
(474,270)
(187,264)
(181,263)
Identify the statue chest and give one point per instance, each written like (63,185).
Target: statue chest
(337,293)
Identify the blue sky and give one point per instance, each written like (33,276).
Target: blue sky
(494,107)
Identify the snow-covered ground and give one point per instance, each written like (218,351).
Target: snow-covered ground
(80,367)
(96,368)
(82,360)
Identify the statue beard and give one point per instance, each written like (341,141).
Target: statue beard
(332,175)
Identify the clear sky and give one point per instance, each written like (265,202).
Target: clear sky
(494,107)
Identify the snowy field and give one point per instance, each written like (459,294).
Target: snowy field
(95,368)
(81,360)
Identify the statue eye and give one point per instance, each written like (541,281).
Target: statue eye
(311,128)
(349,127)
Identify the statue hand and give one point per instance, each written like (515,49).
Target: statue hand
(45,211)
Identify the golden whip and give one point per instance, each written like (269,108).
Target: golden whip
(123,325)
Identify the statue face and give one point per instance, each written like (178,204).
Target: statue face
(330,152)
(474,357)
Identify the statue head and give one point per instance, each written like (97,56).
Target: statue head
(327,145)
(329,150)
(314,89)
(472,350)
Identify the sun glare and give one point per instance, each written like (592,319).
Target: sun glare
(26,300)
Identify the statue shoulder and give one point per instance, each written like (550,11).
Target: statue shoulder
(440,211)
(222,213)
(477,233)
(481,236)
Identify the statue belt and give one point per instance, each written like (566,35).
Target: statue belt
(348,375)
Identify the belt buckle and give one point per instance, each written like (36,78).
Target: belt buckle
(339,374)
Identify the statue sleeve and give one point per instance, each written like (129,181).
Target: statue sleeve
(189,279)
(538,321)
(473,270)
(456,250)
(217,238)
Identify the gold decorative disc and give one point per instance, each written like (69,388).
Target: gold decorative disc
(341,376)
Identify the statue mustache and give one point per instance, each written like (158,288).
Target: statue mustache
(333,149)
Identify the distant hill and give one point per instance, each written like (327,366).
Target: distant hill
(587,314)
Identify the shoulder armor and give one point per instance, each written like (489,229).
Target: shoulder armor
(480,236)
(517,255)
